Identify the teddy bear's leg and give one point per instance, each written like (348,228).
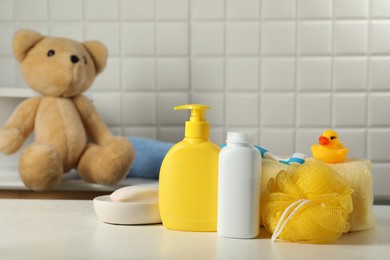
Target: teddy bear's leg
(40,166)
(108,163)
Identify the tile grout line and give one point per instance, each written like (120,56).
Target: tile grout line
(332,62)
(296,90)
(225,53)
(260,124)
(368,60)
(122,92)
(156,60)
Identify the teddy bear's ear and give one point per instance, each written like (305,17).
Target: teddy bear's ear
(98,53)
(23,41)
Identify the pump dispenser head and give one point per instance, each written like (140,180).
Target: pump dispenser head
(196,127)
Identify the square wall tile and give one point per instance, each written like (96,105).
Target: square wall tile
(305,138)
(147,132)
(7,75)
(379,73)
(208,38)
(278,74)
(173,74)
(20,82)
(138,74)
(350,37)
(349,110)
(381,180)
(314,110)
(217,135)
(102,9)
(380,37)
(242,74)
(137,9)
(350,74)
(278,141)
(173,9)
(351,8)
(172,39)
(72,30)
(215,115)
(380,8)
(27,10)
(166,116)
(242,109)
(107,33)
(315,38)
(6,10)
(277,109)
(355,141)
(138,39)
(243,38)
(115,130)
(7,32)
(109,79)
(108,105)
(378,145)
(278,38)
(378,109)
(314,74)
(40,26)
(315,9)
(139,109)
(208,10)
(170,134)
(66,10)
(243,9)
(207,74)
(278,9)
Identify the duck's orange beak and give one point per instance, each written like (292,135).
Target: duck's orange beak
(323,140)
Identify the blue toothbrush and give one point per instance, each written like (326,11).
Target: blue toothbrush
(296,160)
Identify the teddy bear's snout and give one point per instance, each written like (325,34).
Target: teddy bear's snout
(74,59)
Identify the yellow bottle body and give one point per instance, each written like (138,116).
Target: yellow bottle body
(188,186)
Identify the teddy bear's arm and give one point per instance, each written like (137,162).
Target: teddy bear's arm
(95,127)
(18,126)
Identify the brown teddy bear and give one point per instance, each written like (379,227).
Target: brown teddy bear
(61,70)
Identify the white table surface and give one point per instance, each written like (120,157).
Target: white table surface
(59,229)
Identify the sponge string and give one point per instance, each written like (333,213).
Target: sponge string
(282,223)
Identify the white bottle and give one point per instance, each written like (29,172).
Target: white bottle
(239,177)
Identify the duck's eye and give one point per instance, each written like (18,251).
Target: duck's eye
(51,53)
(333,137)
(85,60)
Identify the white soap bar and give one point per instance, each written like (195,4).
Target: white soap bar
(135,194)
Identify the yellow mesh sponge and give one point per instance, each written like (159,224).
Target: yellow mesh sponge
(308,204)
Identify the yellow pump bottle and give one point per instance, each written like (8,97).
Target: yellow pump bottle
(188,185)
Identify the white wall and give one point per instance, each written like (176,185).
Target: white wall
(283,69)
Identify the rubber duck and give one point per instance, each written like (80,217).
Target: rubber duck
(330,149)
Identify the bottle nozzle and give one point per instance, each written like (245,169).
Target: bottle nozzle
(197,125)
(197,111)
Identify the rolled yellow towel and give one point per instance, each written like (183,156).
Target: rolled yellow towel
(356,171)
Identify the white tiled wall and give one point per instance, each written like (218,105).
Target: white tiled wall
(282,69)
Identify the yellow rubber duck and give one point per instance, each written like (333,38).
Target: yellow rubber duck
(330,149)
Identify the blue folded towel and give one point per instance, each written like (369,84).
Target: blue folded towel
(149,154)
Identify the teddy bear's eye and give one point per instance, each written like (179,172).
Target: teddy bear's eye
(85,60)
(50,53)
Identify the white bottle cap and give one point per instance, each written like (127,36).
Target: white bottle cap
(239,137)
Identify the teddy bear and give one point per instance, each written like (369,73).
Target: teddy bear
(68,131)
